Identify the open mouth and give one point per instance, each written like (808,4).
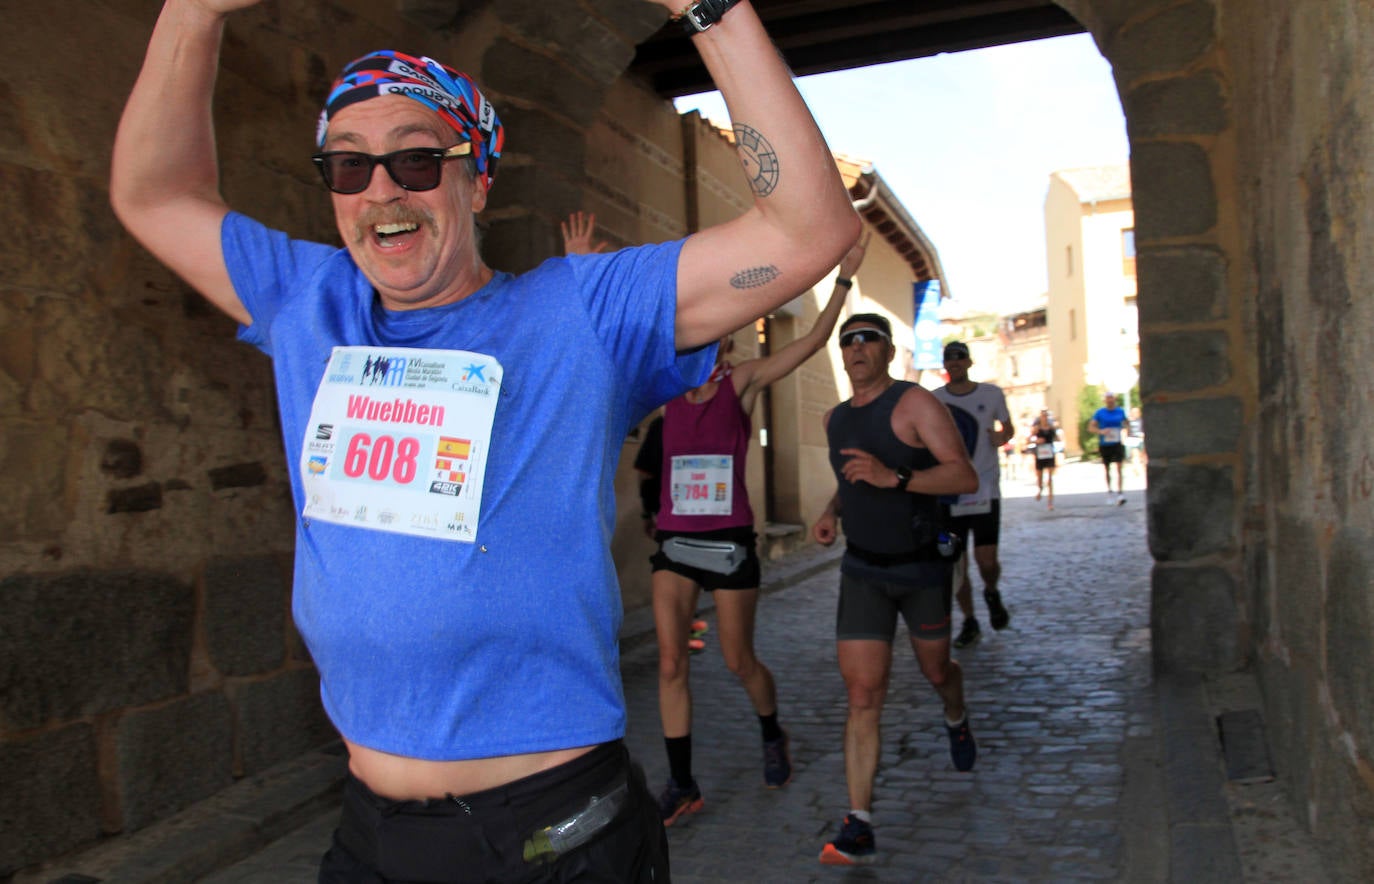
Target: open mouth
(393,233)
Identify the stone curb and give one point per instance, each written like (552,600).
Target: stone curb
(212,834)
(1202,844)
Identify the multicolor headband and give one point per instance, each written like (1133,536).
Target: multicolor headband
(449,93)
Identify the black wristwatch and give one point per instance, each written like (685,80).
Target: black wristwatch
(903,477)
(704,13)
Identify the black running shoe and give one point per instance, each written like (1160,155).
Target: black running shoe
(963,751)
(777,764)
(853,846)
(969,634)
(675,801)
(998,615)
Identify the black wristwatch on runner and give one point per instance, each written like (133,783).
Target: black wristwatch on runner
(704,13)
(903,477)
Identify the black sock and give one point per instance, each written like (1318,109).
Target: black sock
(680,759)
(771,731)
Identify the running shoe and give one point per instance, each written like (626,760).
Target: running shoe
(853,846)
(998,615)
(970,633)
(699,628)
(963,751)
(777,764)
(675,801)
(695,645)
(1121,500)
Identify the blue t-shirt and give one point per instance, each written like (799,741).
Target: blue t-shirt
(448,650)
(1109,424)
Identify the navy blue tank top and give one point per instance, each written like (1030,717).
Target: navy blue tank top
(884,521)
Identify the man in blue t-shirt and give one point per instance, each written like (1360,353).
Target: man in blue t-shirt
(1112,429)
(453,583)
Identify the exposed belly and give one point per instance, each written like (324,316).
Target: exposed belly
(401,778)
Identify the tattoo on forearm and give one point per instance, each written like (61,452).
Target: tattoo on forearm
(760,161)
(753,277)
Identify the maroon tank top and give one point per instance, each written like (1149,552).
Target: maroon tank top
(704,446)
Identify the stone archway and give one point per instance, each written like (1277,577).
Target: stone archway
(144,468)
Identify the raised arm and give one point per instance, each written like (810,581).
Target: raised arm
(756,374)
(801,221)
(164,175)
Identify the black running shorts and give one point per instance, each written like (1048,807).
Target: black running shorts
(1112,453)
(985,527)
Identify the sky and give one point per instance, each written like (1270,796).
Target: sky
(967,142)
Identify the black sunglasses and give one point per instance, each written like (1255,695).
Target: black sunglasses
(862,336)
(415,168)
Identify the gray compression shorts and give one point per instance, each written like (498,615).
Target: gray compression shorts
(868,608)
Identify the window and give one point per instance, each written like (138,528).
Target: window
(1128,251)
(1073,325)
(1068,260)
(1015,368)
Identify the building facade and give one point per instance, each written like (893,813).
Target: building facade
(1091,297)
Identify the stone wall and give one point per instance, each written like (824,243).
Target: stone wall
(1250,131)
(147,657)
(1305,146)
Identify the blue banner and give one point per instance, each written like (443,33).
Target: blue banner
(928,353)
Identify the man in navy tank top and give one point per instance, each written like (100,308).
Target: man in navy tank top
(895,449)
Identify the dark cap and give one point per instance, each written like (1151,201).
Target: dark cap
(871,318)
(956,350)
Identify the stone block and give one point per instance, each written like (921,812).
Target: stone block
(1181,284)
(537,185)
(636,19)
(1192,511)
(278,718)
(1191,105)
(1172,190)
(519,244)
(1169,41)
(33,461)
(83,643)
(245,614)
(172,756)
(558,146)
(37,210)
(542,80)
(51,786)
(1181,362)
(1193,620)
(1349,617)
(1298,569)
(1195,426)
(585,42)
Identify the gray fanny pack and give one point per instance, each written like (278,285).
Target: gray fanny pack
(716,556)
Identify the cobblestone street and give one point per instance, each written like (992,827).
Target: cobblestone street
(1055,700)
